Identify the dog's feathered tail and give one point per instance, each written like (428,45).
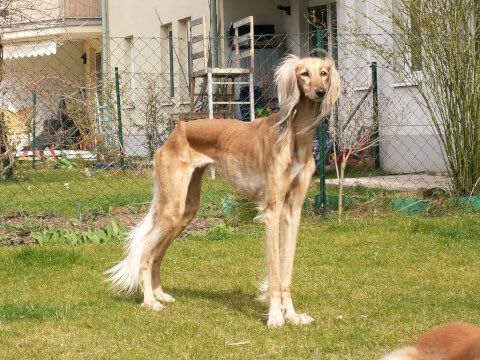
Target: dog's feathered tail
(408,353)
(263,287)
(124,276)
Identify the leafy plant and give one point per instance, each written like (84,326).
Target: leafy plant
(63,163)
(263,111)
(109,233)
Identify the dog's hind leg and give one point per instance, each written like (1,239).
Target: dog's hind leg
(173,181)
(192,204)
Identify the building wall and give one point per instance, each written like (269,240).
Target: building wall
(411,144)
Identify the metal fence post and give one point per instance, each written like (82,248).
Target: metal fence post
(321,204)
(34,115)
(376,149)
(119,118)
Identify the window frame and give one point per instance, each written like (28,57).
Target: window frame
(414,75)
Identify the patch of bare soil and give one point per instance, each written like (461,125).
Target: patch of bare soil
(15,228)
(199,226)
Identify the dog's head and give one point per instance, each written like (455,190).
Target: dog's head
(316,79)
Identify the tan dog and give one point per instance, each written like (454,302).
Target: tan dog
(269,161)
(453,341)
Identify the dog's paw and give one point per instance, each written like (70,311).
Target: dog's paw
(154,305)
(163,297)
(275,320)
(299,319)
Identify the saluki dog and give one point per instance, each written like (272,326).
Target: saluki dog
(452,341)
(268,161)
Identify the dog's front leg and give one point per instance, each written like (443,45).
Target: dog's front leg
(275,314)
(290,221)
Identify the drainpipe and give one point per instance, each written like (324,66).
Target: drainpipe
(104,41)
(213,33)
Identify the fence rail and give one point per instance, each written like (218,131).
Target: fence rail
(66,123)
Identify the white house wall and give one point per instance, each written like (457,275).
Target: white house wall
(410,142)
(411,145)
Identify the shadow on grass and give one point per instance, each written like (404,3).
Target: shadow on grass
(235,299)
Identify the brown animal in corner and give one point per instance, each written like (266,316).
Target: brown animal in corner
(268,160)
(452,341)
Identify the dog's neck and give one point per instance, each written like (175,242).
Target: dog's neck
(306,112)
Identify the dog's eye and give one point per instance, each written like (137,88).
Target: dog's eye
(324,73)
(304,73)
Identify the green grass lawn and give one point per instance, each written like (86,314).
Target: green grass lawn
(372,284)
(65,192)
(68,192)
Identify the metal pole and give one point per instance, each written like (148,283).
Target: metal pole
(213,33)
(34,115)
(322,196)
(170,55)
(104,44)
(119,118)
(376,149)
(321,203)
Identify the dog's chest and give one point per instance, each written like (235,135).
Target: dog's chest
(296,169)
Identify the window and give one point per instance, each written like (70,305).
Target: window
(414,41)
(170,66)
(128,78)
(413,38)
(183,63)
(168,78)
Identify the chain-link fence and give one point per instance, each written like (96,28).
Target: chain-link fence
(82,119)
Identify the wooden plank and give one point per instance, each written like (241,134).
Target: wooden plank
(243,21)
(230,71)
(196,22)
(196,38)
(231,82)
(241,39)
(232,102)
(198,55)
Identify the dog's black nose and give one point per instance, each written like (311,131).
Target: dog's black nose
(320,92)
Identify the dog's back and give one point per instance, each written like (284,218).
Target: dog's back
(452,341)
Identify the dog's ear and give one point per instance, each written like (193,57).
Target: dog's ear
(288,92)
(333,91)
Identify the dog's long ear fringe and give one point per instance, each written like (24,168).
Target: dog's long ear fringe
(288,93)
(333,92)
